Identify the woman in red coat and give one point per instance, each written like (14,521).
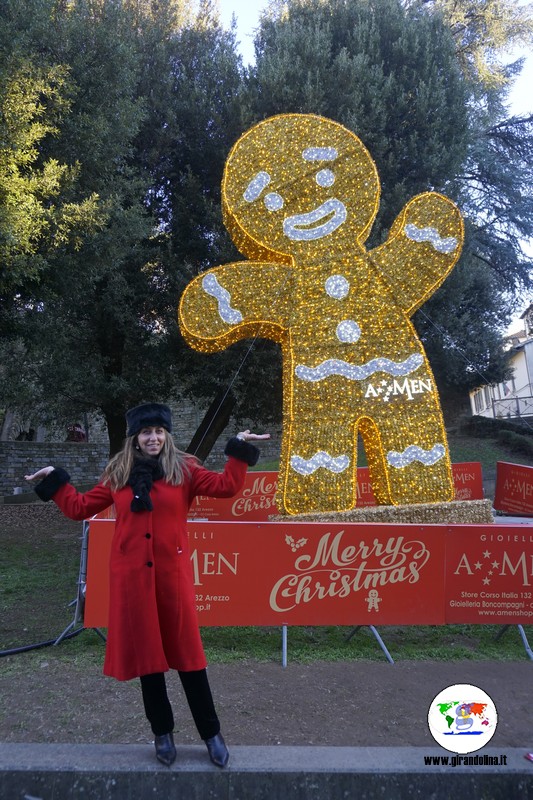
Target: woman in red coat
(153,624)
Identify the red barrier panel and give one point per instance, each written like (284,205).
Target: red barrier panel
(514,489)
(256,500)
(489,574)
(286,573)
(468,480)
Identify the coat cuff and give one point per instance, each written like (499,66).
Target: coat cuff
(47,488)
(242,450)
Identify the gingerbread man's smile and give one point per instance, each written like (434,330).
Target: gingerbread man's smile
(298,227)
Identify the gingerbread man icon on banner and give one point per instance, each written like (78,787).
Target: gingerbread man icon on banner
(299,195)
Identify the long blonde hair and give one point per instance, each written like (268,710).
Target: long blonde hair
(176,464)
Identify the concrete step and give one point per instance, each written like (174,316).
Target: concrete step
(130,772)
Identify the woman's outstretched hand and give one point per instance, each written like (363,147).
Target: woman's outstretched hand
(40,474)
(246,436)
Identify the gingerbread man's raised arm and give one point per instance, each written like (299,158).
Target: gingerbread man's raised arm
(236,301)
(424,243)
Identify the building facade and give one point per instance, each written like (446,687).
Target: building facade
(512,399)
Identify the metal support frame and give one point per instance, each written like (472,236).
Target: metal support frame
(79,601)
(284,646)
(76,626)
(377,637)
(521,631)
(374,631)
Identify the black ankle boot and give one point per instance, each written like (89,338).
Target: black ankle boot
(165,752)
(218,752)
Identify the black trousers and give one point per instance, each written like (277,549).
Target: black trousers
(158,709)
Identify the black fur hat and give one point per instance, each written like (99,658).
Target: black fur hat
(148,415)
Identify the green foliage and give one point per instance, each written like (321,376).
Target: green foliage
(71,326)
(117,118)
(485,31)
(488,427)
(460,328)
(494,191)
(516,442)
(151,117)
(35,215)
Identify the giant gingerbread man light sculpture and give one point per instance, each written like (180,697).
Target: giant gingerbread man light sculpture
(300,194)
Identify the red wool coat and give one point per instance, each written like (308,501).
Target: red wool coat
(153,623)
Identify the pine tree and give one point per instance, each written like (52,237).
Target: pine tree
(389,75)
(421,84)
(37,213)
(152,111)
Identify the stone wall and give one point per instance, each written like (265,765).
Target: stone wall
(85,461)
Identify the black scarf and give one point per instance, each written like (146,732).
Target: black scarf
(144,472)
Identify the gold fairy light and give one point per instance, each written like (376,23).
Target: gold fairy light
(299,196)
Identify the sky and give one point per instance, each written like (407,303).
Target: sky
(247,14)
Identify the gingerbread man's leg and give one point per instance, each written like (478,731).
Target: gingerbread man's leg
(408,455)
(318,470)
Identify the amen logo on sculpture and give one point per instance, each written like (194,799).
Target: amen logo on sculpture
(300,194)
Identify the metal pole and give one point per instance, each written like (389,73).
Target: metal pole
(525,641)
(381,644)
(82,577)
(284,646)
(79,602)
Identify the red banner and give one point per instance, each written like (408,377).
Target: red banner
(287,573)
(256,501)
(489,574)
(514,489)
(320,574)
(468,480)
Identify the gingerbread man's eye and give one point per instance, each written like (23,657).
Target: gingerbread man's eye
(273,201)
(259,182)
(325,177)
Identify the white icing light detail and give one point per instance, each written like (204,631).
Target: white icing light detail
(325,177)
(432,236)
(256,186)
(320,459)
(320,154)
(415,453)
(348,331)
(337,286)
(293,226)
(273,201)
(228,314)
(334,366)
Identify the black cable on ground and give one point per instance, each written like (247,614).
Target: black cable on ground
(27,647)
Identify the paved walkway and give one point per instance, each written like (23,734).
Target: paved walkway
(130,772)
